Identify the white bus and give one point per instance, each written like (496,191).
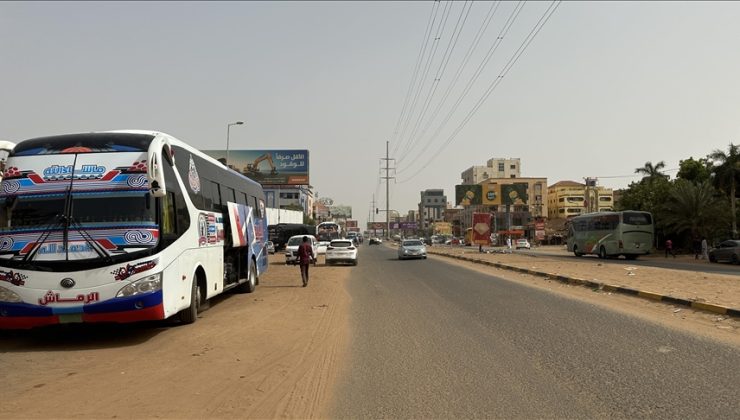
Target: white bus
(123,226)
(611,234)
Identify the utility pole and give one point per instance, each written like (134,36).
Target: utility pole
(387,178)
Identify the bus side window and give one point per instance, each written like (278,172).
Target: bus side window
(241,198)
(175,197)
(216,197)
(227,195)
(255,208)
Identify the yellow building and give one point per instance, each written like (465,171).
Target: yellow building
(569,198)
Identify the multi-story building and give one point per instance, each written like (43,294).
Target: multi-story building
(495,168)
(569,198)
(431,208)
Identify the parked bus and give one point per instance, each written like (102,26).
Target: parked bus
(123,226)
(281,232)
(611,234)
(326,231)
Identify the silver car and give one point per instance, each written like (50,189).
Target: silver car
(412,248)
(726,251)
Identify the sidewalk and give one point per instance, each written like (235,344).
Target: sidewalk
(718,293)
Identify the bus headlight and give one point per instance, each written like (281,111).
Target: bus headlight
(148,284)
(7,295)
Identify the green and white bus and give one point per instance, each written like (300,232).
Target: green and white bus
(611,234)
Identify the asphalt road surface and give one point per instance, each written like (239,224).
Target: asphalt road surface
(432,339)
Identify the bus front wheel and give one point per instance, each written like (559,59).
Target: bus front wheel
(190,314)
(251,283)
(602,253)
(575,251)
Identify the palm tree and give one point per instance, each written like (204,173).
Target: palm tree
(652,172)
(727,169)
(694,209)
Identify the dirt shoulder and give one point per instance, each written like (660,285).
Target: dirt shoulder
(274,353)
(719,289)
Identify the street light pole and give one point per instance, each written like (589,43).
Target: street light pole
(228,128)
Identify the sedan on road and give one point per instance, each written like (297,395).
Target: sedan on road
(341,251)
(412,248)
(523,244)
(726,251)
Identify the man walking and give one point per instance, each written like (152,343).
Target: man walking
(305,256)
(669,248)
(704,249)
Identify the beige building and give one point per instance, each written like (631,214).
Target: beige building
(495,168)
(569,198)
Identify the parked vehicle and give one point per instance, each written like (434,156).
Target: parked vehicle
(321,247)
(412,248)
(270,247)
(726,251)
(291,248)
(107,213)
(375,241)
(281,232)
(341,251)
(522,244)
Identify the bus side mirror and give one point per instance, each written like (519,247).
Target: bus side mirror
(155,166)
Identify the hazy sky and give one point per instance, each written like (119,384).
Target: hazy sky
(603,88)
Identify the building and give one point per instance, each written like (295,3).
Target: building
(496,168)
(569,198)
(290,197)
(431,208)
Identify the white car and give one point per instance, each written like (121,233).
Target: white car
(291,248)
(321,247)
(412,248)
(522,243)
(341,251)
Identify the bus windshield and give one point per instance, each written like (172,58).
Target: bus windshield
(40,211)
(636,218)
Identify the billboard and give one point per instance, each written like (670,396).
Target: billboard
(443,228)
(481,228)
(268,167)
(491,195)
(375,225)
(514,194)
(351,224)
(340,211)
(466,195)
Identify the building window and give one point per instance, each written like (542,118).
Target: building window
(501,166)
(512,167)
(512,176)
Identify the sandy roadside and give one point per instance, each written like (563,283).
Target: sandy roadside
(274,353)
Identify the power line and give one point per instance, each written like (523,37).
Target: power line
(466,58)
(427,66)
(427,33)
(512,61)
(457,30)
(478,71)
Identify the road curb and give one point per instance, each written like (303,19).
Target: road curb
(652,296)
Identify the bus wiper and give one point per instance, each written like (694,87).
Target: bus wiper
(99,249)
(41,240)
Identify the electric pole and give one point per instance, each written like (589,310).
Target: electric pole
(387,178)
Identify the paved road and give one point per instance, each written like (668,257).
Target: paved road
(431,339)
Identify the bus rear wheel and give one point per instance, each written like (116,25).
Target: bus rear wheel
(575,251)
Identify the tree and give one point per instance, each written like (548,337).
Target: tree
(727,170)
(696,171)
(694,209)
(651,172)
